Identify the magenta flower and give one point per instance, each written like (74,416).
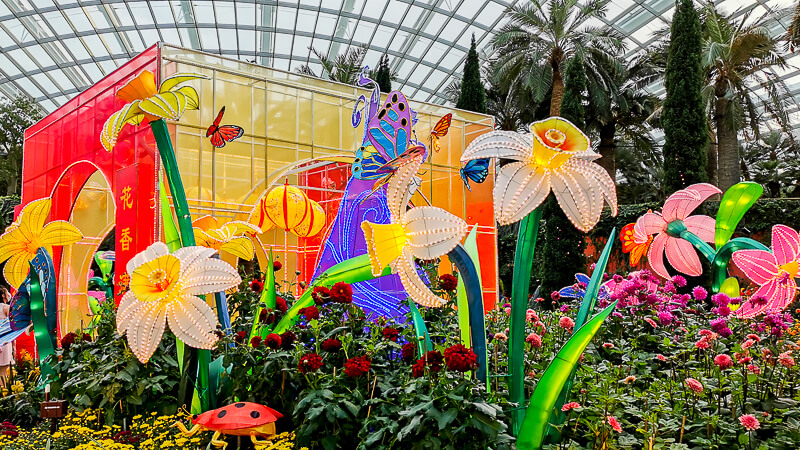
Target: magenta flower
(773,271)
(668,225)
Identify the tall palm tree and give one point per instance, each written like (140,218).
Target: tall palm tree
(621,108)
(343,68)
(737,51)
(541,35)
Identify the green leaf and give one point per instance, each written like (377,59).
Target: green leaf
(447,417)
(545,394)
(409,428)
(734,204)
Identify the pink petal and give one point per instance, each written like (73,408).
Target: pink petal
(784,294)
(655,255)
(683,257)
(702,226)
(768,291)
(785,244)
(650,223)
(680,204)
(758,265)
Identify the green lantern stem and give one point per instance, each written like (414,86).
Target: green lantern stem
(167,153)
(523,263)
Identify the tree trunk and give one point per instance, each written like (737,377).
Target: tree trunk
(607,147)
(711,165)
(558,91)
(727,148)
(11,189)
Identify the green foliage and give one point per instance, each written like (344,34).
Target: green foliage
(561,250)
(473,96)
(16,115)
(684,117)
(103,373)
(343,68)
(7,205)
(574,87)
(20,398)
(383,409)
(384,76)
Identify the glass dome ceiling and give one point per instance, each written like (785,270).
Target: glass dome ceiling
(53,49)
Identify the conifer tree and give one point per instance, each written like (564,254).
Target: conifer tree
(384,76)
(473,96)
(684,118)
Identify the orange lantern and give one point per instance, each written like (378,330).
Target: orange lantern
(313,222)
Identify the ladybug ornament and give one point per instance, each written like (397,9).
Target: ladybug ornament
(237,419)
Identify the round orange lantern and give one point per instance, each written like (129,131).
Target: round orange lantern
(313,222)
(286,206)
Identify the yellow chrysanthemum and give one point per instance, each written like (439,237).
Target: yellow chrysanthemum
(27,234)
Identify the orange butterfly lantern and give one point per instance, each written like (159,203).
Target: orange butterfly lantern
(630,244)
(440,130)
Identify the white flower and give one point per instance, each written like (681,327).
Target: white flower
(164,289)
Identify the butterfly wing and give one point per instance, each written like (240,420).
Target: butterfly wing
(476,170)
(390,130)
(215,126)
(412,152)
(441,127)
(639,251)
(368,163)
(626,236)
(226,133)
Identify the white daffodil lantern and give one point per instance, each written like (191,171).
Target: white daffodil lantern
(164,290)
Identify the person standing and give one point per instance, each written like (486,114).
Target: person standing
(7,350)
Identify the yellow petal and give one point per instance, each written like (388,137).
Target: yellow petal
(192,98)
(168,105)
(206,239)
(240,228)
(413,284)
(129,114)
(205,223)
(35,213)
(258,215)
(385,244)
(241,247)
(143,86)
(178,78)
(560,133)
(11,244)
(17,268)
(60,232)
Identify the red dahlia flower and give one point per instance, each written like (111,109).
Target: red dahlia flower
(390,334)
(288,339)
(331,345)
(321,295)
(257,286)
(342,292)
(357,366)
(256,341)
(276,266)
(448,282)
(409,352)
(273,341)
(68,340)
(280,304)
(310,312)
(309,363)
(460,358)
(240,337)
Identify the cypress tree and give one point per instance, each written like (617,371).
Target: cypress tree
(684,118)
(563,244)
(384,76)
(472,96)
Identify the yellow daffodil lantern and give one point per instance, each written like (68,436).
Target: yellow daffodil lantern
(146,101)
(27,234)
(555,157)
(231,237)
(422,232)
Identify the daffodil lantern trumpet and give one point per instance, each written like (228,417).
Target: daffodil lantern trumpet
(423,232)
(554,156)
(164,290)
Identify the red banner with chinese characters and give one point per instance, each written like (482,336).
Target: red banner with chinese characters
(127,202)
